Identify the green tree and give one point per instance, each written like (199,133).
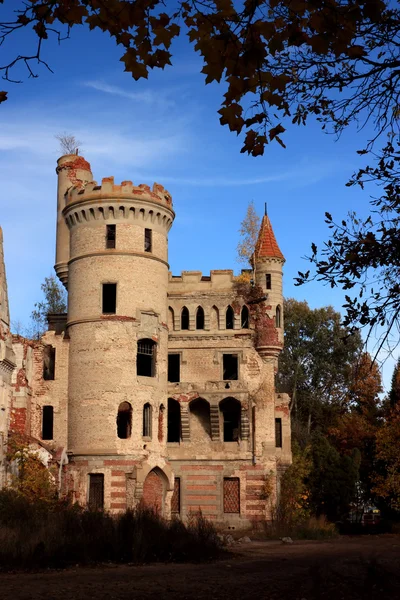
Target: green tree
(333,479)
(315,366)
(55,301)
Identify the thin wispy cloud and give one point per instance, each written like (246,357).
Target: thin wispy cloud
(299,176)
(148,97)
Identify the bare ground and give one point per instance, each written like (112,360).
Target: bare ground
(351,568)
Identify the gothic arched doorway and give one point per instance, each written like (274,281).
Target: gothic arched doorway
(154,491)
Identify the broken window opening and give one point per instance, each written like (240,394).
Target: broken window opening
(268,281)
(230,408)
(96,491)
(200,420)
(278,317)
(124,421)
(148,240)
(278,433)
(146,358)
(47,422)
(174,368)
(231,495)
(49,363)
(174,421)
(109,298)
(147,420)
(200,318)
(230,367)
(229,318)
(245,318)
(111,233)
(185,318)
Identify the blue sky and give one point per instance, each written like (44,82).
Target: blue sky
(167,130)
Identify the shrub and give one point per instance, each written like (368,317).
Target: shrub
(61,535)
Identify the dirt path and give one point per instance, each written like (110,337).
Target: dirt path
(348,568)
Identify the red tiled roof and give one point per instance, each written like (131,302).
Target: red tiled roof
(267,246)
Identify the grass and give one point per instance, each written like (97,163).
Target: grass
(59,535)
(311,528)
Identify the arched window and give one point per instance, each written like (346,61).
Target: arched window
(171,320)
(200,422)
(124,420)
(214,318)
(147,420)
(200,318)
(278,317)
(229,318)
(184,318)
(245,317)
(230,409)
(174,421)
(146,358)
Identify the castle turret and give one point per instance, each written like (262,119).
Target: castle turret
(117,323)
(72,170)
(268,264)
(4,312)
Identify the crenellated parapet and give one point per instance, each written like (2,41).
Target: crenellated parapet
(125,202)
(126,190)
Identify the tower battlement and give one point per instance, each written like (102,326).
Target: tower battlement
(108,190)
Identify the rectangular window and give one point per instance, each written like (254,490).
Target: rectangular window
(176,497)
(148,242)
(109,298)
(47,422)
(174,367)
(268,281)
(49,362)
(231,495)
(111,232)
(278,433)
(96,491)
(230,366)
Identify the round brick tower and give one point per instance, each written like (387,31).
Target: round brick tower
(268,262)
(117,315)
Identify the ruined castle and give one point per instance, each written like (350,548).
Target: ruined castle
(154,387)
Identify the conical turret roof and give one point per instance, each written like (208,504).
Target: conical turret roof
(267,246)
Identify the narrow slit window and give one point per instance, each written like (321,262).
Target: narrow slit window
(96,491)
(268,281)
(245,318)
(124,421)
(230,366)
(200,318)
(278,433)
(278,317)
(229,318)
(49,363)
(146,358)
(111,231)
(176,497)
(184,318)
(47,422)
(174,368)
(147,420)
(109,298)
(148,240)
